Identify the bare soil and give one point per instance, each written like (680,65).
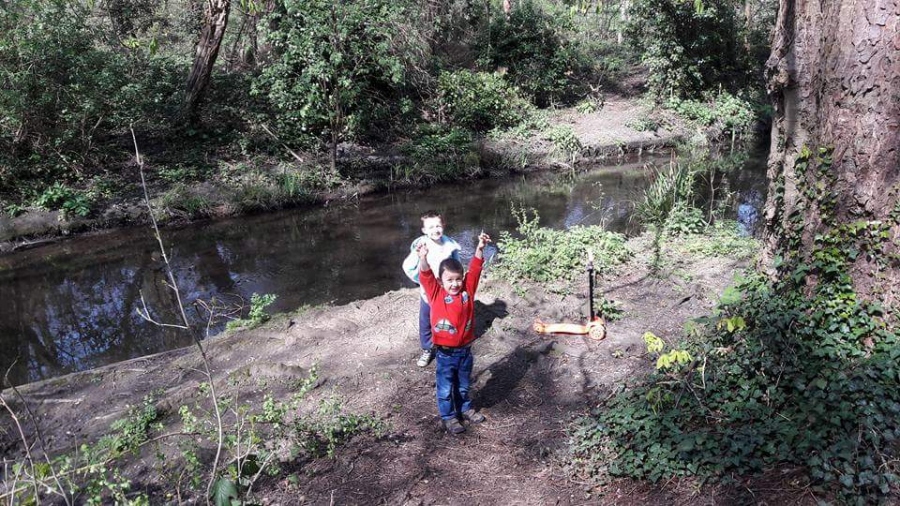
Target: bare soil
(531,388)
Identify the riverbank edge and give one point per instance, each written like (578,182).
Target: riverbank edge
(37,227)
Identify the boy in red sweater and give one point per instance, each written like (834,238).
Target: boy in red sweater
(452,300)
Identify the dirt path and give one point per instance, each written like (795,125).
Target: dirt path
(529,386)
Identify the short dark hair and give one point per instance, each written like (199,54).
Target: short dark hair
(431,214)
(451,264)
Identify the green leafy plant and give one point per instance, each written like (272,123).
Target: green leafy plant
(723,113)
(530,45)
(257,314)
(782,374)
(688,49)
(61,197)
(181,173)
(439,154)
(182,200)
(479,101)
(543,254)
(132,431)
(608,309)
(589,105)
(565,142)
(645,123)
(671,186)
(258,305)
(334,64)
(321,433)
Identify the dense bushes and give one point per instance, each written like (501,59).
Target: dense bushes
(530,45)
(479,100)
(690,47)
(777,378)
(300,74)
(334,63)
(548,255)
(63,92)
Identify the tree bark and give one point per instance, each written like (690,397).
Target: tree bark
(215,20)
(834,78)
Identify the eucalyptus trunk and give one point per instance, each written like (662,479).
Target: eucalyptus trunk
(834,77)
(215,20)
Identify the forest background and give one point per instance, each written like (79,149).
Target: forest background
(793,373)
(260,99)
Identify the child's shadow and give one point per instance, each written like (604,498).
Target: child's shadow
(485,314)
(507,373)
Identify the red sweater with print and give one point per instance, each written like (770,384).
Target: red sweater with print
(452,316)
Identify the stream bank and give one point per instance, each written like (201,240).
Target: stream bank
(610,133)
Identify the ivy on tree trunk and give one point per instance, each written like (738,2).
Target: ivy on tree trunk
(834,76)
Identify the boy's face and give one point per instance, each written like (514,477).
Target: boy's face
(452,282)
(433,228)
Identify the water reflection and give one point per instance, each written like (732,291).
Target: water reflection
(72,306)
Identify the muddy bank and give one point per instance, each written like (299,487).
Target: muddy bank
(608,134)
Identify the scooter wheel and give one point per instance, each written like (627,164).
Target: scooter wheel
(597,332)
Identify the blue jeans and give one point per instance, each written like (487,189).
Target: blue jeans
(424,325)
(454,375)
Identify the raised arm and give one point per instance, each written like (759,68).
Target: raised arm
(483,240)
(422,252)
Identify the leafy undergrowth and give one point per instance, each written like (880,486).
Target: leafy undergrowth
(781,375)
(258,438)
(548,255)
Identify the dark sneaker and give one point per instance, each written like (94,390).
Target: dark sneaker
(472,416)
(453,426)
(426,358)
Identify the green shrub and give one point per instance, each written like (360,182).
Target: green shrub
(690,47)
(645,124)
(61,197)
(531,46)
(723,112)
(182,199)
(565,141)
(722,239)
(334,65)
(438,154)
(257,314)
(670,186)
(479,101)
(181,173)
(589,105)
(63,88)
(783,375)
(543,254)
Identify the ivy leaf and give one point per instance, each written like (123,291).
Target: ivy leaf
(224,491)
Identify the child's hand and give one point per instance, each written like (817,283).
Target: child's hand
(422,249)
(483,240)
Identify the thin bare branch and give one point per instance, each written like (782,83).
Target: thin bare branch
(174,286)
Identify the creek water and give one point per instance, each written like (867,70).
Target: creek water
(73,305)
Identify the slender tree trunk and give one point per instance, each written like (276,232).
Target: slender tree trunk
(624,5)
(215,20)
(834,77)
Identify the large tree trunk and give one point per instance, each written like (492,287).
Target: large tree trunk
(215,20)
(834,77)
